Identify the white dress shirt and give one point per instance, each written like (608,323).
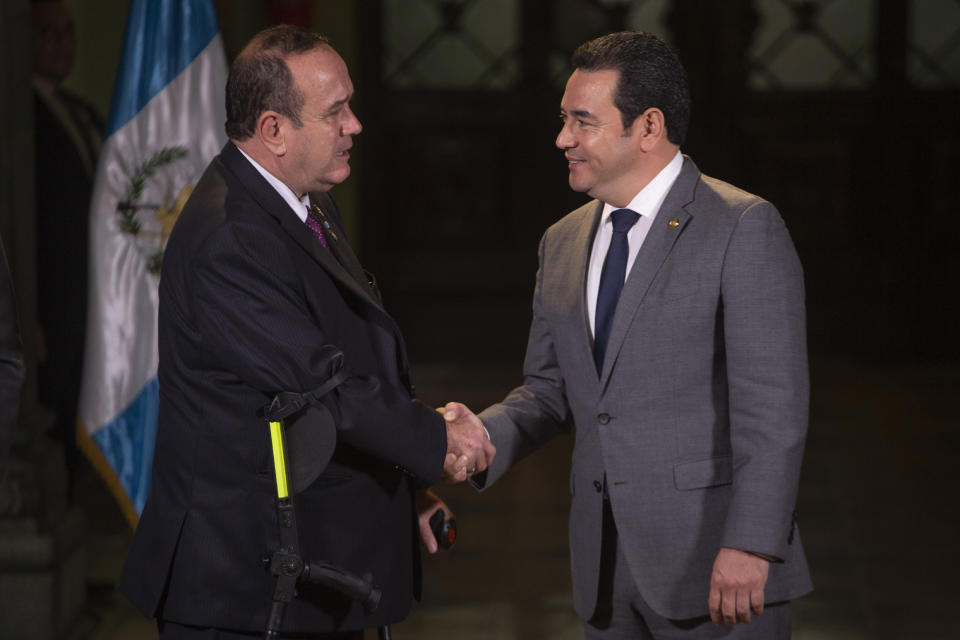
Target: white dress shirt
(647,203)
(299,205)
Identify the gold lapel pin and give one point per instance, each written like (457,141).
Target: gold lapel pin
(673,224)
(326,225)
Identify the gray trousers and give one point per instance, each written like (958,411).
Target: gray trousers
(622,614)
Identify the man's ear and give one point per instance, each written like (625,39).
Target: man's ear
(270,129)
(650,127)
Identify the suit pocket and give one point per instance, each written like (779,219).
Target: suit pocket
(703,473)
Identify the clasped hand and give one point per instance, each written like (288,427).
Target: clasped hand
(469,450)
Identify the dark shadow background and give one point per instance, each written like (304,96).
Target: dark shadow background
(455,187)
(456,174)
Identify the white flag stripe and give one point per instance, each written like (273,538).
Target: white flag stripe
(147,170)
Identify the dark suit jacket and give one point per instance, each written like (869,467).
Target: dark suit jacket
(64,185)
(699,416)
(251,304)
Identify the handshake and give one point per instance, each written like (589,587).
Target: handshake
(469,450)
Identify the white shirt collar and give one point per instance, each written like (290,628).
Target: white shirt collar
(649,200)
(299,205)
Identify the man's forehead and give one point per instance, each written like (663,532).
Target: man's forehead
(588,90)
(600,80)
(323,55)
(324,71)
(321,63)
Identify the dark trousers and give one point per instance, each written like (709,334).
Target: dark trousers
(173,631)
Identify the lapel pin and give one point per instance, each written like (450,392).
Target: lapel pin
(673,224)
(326,225)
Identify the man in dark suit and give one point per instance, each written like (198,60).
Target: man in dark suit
(669,323)
(67,141)
(260,294)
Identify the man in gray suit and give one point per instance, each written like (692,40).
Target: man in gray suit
(688,388)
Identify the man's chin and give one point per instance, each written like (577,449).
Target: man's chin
(337,177)
(577,185)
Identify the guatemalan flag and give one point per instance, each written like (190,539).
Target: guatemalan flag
(165,125)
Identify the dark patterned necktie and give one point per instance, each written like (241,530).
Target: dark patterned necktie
(315,222)
(611,281)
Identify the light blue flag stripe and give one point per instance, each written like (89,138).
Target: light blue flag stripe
(127,442)
(162,40)
(172,66)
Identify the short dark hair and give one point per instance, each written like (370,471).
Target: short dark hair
(651,75)
(260,80)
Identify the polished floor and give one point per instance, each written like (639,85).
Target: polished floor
(878,511)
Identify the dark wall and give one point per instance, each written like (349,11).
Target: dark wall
(457,186)
(453,187)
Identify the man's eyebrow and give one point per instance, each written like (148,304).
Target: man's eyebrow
(580,113)
(336,105)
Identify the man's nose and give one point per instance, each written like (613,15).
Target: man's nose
(352,126)
(564,139)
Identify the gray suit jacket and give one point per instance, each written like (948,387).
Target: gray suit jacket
(699,417)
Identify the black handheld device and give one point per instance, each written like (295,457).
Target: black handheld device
(444,529)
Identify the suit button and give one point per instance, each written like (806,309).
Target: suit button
(598,485)
(603,418)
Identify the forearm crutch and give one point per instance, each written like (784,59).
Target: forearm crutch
(286,563)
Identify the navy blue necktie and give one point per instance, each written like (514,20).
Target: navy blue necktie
(611,281)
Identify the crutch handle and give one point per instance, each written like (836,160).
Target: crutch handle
(353,586)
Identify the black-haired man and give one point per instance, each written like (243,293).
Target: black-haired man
(669,323)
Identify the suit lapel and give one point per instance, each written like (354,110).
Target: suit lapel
(583,246)
(666,228)
(336,240)
(271,202)
(347,259)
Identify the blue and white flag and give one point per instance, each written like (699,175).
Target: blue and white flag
(165,125)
